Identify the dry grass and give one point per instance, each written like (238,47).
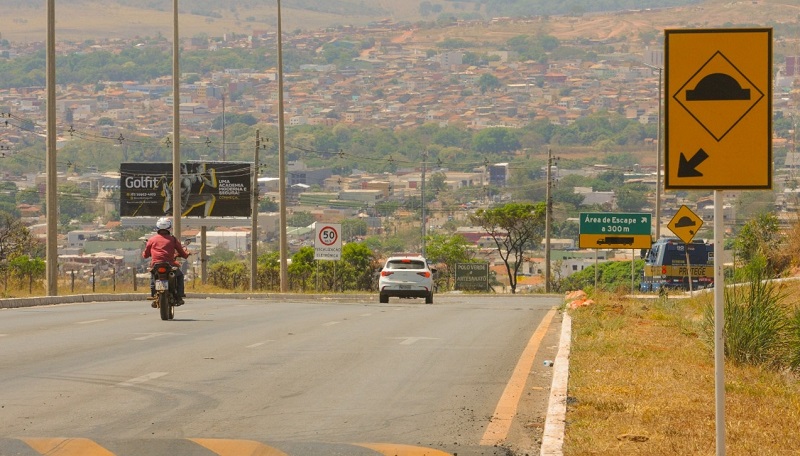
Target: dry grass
(106,19)
(103,19)
(642,382)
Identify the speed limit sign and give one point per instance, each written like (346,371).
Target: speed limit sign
(328,241)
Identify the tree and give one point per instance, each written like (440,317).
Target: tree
(221,254)
(28,196)
(15,240)
(302,267)
(437,182)
(301,218)
(24,266)
(269,271)
(632,198)
(352,228)
(496,140)
(488,82)
(267,205)
(445,251)
(513,227)
(761,239)
(355,271)
(73,203)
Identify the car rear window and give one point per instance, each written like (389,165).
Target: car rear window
(405,264)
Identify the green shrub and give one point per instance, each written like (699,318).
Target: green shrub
(757,325)
(794,340)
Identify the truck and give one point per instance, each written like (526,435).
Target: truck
(667,265)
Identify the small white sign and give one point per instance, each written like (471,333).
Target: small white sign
(327,241)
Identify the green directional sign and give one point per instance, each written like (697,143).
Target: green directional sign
(615,231)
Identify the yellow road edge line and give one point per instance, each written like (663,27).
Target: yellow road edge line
(392,449)
(497,430)
(228,447)
(67,447)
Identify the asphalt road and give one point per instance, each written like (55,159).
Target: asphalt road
(297,376)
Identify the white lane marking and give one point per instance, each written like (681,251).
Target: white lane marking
(3,335)
(258,344)
(143,378)
(154,335)
(411,339)
(90,321)
(331,323)
(365,315)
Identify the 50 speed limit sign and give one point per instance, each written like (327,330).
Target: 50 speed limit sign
(327,241)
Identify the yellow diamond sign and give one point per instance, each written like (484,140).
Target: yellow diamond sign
(718,109)
(685,224)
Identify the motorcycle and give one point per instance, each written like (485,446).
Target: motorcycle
(166,288)
(165,298)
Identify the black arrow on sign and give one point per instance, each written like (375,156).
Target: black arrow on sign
(687,168)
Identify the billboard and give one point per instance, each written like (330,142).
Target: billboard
(207,189)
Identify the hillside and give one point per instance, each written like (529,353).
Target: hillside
(78,20)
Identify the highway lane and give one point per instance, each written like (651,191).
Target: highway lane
(293,374)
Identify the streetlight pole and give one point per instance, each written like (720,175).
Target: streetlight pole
(284,244)
(422,200)
(50,163)
(658,151)
(176,125)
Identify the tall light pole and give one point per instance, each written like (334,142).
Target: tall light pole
(422,201)
(50,164)
(658,152)
(284,244)
(548,213)
(176,124)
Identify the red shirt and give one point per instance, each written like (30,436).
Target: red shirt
(162,248)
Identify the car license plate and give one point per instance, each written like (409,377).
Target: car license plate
(162,285)
(405,287)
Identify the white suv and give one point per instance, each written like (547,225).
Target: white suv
(406,277)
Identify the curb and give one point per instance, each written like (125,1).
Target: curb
(555,423)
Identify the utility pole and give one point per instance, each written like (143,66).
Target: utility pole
(254,216)
(284,244)
(422,198)
(50,164)
(176,126)
(660,70)
(547,216)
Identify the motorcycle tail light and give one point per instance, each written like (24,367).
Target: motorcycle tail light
(162,270)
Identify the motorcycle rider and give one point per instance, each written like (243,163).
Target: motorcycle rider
(165,248)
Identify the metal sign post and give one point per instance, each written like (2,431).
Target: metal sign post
(718,136)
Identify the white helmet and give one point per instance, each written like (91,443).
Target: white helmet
(164,223)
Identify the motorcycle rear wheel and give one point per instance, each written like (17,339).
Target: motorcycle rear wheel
(165,306)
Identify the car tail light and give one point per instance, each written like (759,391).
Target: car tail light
(386,273)
(425,274)
(663,271)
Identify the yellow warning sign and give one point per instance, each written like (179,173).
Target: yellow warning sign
(685,224)
(718,109)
